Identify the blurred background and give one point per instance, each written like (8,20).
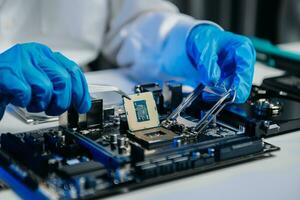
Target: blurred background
(275,20)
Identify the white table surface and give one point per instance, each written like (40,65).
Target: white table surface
(273,178)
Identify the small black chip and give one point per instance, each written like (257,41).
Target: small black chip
(81,169)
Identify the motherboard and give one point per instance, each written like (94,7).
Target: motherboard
(155,135)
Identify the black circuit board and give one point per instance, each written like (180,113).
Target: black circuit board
(96,155)
(105,161)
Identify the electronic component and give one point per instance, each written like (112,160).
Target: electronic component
(82,168)
(119,148)
(107,156)
(196,128)
(287,85)
(265,113)
(172,94)
(19,173)
(141,111)
(265,107)
(154,137)
(94,118)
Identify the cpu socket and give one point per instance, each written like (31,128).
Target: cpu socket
(154,137)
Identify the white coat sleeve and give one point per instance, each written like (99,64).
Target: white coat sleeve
(149,36)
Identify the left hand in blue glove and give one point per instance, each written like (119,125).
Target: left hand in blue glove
(35,77)
(222,58)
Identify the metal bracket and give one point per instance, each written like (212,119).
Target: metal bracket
(226,98)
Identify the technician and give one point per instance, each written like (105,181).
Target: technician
(149,37)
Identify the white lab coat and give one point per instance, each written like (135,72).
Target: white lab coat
(146,35)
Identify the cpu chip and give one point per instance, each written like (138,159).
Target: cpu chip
(141,111)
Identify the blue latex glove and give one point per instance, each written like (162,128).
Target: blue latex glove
(33,76)
(222,58)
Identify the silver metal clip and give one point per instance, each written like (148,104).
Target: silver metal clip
(186,102)
(225,98)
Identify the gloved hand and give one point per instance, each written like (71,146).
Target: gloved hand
(33,76)
(222,58)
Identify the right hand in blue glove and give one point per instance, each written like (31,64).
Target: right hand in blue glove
(222,58)
(33,76)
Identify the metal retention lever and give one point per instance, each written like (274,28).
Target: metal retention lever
(226,98)
(186,102)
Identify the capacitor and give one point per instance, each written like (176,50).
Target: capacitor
(122,150)
(113,139)
(211,152)
(126,142)
(177,142)
(267,107)
(121,142)
(196,155)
